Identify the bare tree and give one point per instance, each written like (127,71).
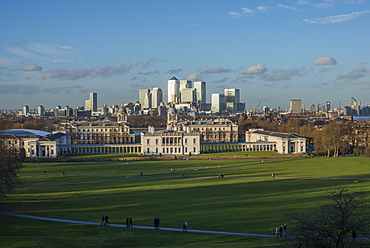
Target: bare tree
(9,157)
(335,223)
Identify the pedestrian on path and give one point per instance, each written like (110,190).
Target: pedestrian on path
(285,227)
(102,220)
(130,222)
(277,231)
(127,222)
(281,231)
(106,220)
(185,226)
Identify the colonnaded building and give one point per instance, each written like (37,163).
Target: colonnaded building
(210,131)
(180,138)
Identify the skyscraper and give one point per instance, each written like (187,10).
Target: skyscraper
(92,103)
(173,90)
(232,100)
(296,106)
(217,103)
(201,92)
(157,97)
(188,95)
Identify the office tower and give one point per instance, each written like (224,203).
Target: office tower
(92,103)
(26,110)
(41,110)
(188,95)
(201,92)
(173,91)
(296,106)
(157,97)
(150,98)
(313,108)
(185,84)
(217,103)
(145,98)
(232,100)
(328,107)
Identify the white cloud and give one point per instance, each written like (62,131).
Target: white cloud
(193,77)
(303,2)
(216,70)
(107,71)
(27,89)
(287,7)
(232,13)
(356,73)
(256,69)
(323,5)
(31,67)
(23,53)
(283,74)
(324,61)
(263,8)
(337,18)
(247,11)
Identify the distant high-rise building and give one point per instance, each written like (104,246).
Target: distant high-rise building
(92,103)
(313,108)
(157,97)
(185,84)
(217,103)
(296,107)
(26,110)
(150,98)
(232,100)
(173,90)
(201,92)
(41,110)
(145,98)
(188,95)
(328,106)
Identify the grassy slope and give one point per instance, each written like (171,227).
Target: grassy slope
(237,202)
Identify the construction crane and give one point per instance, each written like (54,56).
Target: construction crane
(340,102)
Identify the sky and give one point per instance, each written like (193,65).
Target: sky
(57,52)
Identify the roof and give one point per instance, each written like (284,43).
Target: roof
(173,78)
(276,134)
(25,132)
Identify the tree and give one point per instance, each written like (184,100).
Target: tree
(332,224)
(9,157)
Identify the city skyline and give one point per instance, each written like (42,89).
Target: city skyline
(59,52)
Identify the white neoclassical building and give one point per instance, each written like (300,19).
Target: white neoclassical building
(166,142)
(211,131)
(284,143)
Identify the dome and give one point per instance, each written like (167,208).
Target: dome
(122,111)
(171,111)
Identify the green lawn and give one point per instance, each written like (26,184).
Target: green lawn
(247,199)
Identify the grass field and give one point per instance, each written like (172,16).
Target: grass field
(246,200)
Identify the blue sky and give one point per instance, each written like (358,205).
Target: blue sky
(56,52)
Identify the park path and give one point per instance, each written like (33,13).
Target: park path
(33,217)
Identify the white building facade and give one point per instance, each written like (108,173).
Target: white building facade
(166,142)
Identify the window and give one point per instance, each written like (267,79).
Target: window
(148,150)
(186,149)
(156,150)
(147,141)
(186,141)
(195,141)
(195,149)
(156,141)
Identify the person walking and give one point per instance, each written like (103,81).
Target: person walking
(102,220)
(185,226)
(277,231)
(130,222)
(281,231)
(127,222)
(155,222)
(285,227)
(106,220)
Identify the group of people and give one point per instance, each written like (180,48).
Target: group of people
(128,222)
(280,231)
(156,222)
(104,220)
